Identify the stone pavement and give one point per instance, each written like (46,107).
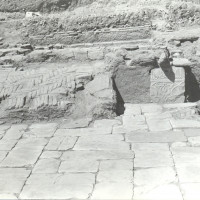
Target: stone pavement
(149,153)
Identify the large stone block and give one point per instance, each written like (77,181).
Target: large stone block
(168,86)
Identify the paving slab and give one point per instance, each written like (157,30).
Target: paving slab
(190,191)
(132,109)
(159,124)
(56,186)
(110,165)
(160,116)
(84,164)
(113,191)
(42,130)
(184,155)
(115,176)
(162,192)
(47,166)
(84,131)
(61,143)
(145,159)
(179,144)
(32,143)
(188,173)
(7,144)
(151,108)
(184,123)
(106,123)
(98,155)
(21,157)
(191,132)
(154,176)
(12,180)
(146,147)
(15,132)
(51,154)
(157,137)
(119,130)
(101,142)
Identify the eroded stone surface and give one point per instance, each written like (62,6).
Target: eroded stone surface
(168,87)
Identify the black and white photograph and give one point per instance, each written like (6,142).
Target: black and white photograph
(99,99)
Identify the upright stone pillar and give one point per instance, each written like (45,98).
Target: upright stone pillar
(168,86)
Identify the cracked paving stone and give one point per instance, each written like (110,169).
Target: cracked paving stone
(47,166)
(154,176)
(109,165)
(61,143)
(106,123)
(113,191)
(15,132)
(51,154)
(158,158)
(192,132)
(97,155)
(57,186)
(161,192)
(7,144)
(190,191)
(12,180)
(184,155)
(188,173)
(157,137)
(101,142)
(159,125)
(84,131)
(42,130)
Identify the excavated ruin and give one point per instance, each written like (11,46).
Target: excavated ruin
(63,64)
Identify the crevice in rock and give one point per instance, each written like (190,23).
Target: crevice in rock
(120,102)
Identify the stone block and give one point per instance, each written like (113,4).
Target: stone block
(184,123)
(159,125)
(168,87)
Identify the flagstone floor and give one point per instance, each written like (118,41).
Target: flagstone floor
(152,152)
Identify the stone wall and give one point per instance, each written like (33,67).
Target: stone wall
(73,37)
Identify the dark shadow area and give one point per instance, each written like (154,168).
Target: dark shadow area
(192,90)
(169,73)
(120,102)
